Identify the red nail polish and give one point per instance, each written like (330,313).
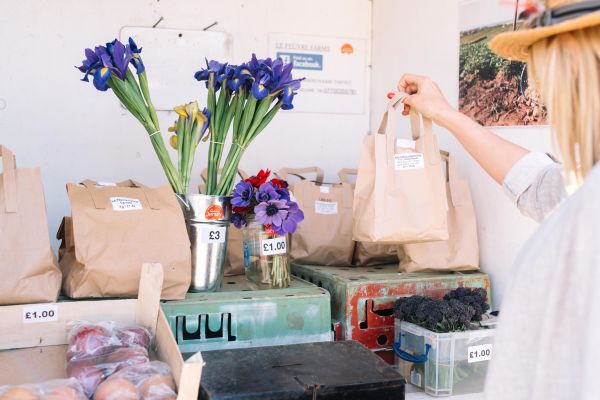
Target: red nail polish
(390,95)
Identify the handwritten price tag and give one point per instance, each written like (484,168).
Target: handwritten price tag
(213,234)
(270,247)
(479,353)
(40,313)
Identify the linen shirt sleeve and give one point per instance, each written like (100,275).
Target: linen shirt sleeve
(536,185)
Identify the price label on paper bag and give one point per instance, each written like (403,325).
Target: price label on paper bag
(125,204)
(213,234)
(270,247)
(326,207)
(408,161)
(40,313)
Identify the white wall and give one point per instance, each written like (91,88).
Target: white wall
(422,37)
(73,132)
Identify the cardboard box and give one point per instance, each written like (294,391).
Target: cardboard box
(33,338)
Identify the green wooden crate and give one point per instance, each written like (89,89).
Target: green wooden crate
(238,316)
(362,298)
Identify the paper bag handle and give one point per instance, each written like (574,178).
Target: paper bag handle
(100,201)
(344,174)
(388,126)
(452,177)
(300,172)
(9,179)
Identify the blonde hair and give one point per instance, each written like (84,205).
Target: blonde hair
(566,69)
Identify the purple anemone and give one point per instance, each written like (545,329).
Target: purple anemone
(267,192)
(242,194)
(272,212)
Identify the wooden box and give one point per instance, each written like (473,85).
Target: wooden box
(33,338)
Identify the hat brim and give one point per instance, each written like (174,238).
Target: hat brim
(515,45)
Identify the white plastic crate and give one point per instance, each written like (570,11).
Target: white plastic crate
(444,364)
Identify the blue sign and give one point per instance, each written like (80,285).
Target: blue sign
(313,62)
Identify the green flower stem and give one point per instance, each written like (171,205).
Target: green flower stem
(211,176)
(229,170)
(146,92)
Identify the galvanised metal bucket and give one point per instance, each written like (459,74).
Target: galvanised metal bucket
(207,222)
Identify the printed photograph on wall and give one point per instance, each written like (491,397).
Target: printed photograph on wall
(492,90)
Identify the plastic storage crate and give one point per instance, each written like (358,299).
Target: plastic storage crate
(444,364)
(363,298)
(238,316)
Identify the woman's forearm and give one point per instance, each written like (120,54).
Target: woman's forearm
(496,155)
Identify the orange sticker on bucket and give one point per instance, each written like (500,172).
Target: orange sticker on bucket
(347,48)
(214,211)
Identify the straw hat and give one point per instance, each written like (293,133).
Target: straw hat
(559,16)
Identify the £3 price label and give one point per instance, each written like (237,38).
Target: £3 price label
(479,353)
(270,247)
(40,313)
(213,234)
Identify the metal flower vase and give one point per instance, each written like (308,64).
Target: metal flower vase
(207,222)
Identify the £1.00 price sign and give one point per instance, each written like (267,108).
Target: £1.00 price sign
(479,353)
(40,313)
(270,247)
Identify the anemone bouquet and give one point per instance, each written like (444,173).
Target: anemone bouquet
(247,96)
(266,212)
(112,67)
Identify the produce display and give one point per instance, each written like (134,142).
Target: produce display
(59,389)
(457,311)
(111,361)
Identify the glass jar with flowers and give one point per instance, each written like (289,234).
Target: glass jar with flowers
(266,214)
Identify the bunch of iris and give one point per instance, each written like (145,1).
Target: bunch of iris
(247,96)
(265,209)
(111,67)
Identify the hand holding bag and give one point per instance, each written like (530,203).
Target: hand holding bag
(27,263)
(461,251)
(325,235)
(400,194)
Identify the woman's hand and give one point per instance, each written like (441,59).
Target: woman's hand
(425,97)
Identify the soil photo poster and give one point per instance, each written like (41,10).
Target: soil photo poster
(492,90)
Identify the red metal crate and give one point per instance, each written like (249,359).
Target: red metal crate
(362,298)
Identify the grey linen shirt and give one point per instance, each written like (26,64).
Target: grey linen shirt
(547,345)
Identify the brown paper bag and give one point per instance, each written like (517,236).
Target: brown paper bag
(234,260)
(27,263)
(325,235)
(113,231)
(461,251)
(400,193)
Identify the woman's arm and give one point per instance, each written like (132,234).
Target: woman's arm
(496,155)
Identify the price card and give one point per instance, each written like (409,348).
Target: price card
(408,161)
(40,313)
(125,204)
(213,234)
(270,247)
(479,353)
(326,207)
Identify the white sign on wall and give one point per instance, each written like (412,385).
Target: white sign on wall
(172,56)
(335,70)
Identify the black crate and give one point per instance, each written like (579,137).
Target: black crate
(324,371)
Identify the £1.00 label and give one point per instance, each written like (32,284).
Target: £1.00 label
(408,161)
(40,313)
(270,247)
(125,204)
(479,353)
(213,234)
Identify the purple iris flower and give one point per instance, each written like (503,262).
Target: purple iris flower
(90,64)
(259,91)
(242,194)
(136,60)
(267,192)
(228,73)
(240,76)
(294,217)
(238,220)
(121,55)
(272,212)
(212,67)
(101,76)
